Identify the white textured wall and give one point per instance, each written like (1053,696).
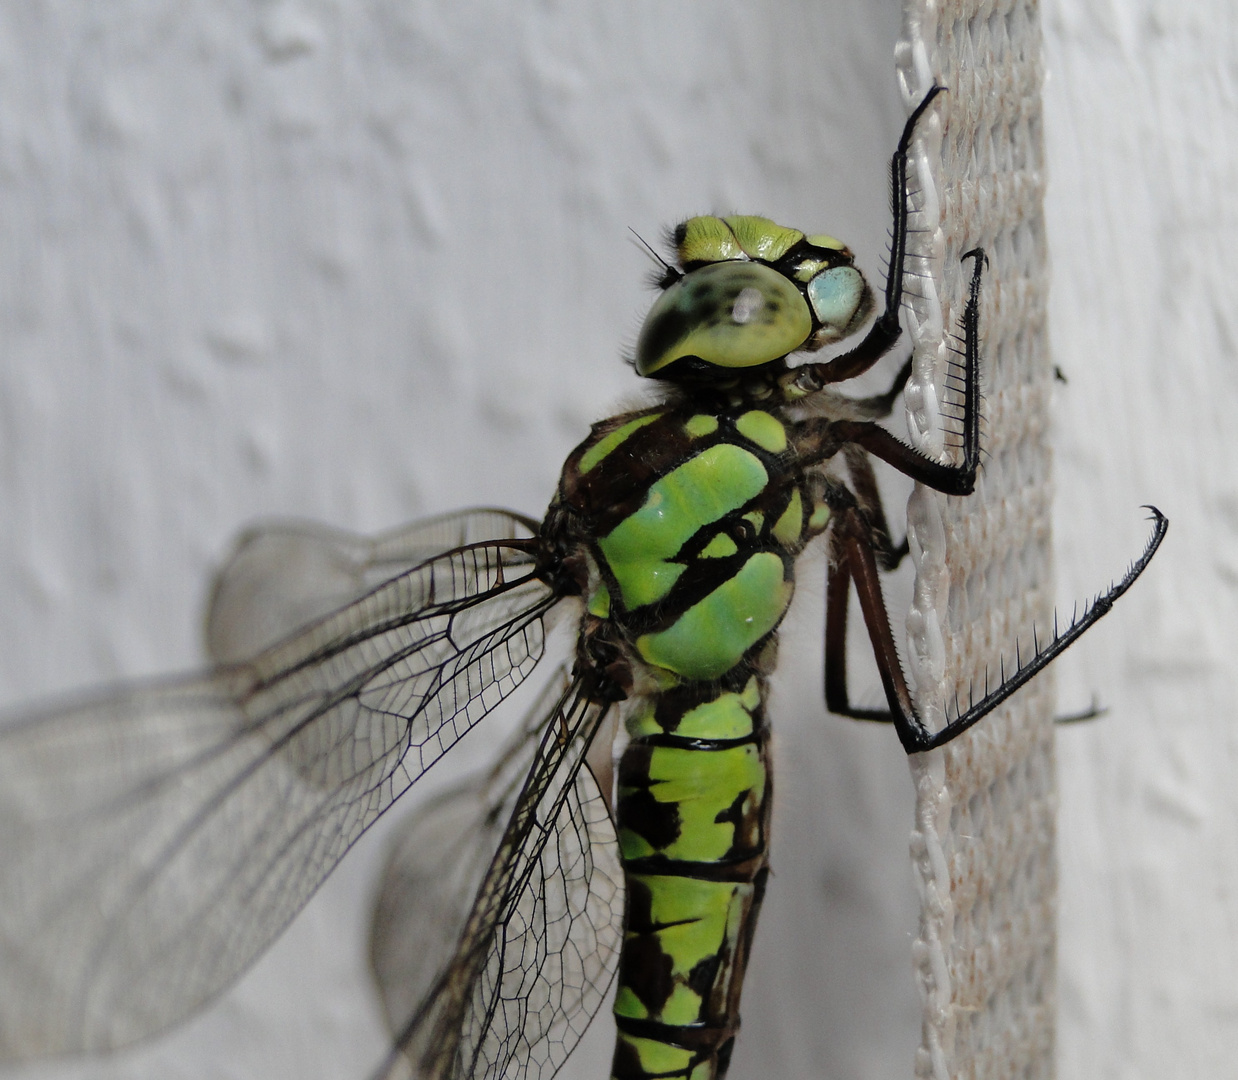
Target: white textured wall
(362,261)
(1142,114)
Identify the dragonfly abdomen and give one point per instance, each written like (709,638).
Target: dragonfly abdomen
(692,519)
(693,813)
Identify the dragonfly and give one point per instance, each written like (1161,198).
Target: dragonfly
(157,837)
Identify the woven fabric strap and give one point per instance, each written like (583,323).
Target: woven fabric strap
(983,842)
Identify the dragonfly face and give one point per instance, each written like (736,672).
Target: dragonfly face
(750,293)
(158,837)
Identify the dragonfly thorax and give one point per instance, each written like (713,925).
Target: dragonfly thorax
(748,293)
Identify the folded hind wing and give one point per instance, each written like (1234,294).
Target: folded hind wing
(540,943)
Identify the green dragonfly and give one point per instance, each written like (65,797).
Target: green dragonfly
(158,837)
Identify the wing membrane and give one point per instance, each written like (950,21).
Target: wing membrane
(540,944)
(434,867)
(154,839)
(283,575)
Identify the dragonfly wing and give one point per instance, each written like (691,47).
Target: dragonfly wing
(540,944)
(437,863)
(283,575)
(154,840)
(427,889)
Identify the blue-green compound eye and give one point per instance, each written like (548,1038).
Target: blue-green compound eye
(841,300)
(732,315)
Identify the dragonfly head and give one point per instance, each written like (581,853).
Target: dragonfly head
(748,292)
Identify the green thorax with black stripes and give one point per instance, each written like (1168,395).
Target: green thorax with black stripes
(693,520)
(690,520)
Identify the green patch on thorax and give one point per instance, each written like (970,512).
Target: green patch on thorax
(713,635)
(699,492)
(819,518)
(599,602)
(606,445)
(701,425)
(789,527)
(764,430)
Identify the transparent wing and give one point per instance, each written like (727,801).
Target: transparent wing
(538,946)
(155,839)
(283,575)
(436,863)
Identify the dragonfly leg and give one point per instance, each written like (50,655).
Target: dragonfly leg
(957,479)
(837,599)
(820,439)
(885,331)
(853,558)
(864,488)
(1044,656)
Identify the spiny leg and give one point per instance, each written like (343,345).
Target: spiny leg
(958,479)
(864,487)
(852,558)
(863,481)
(860,535)
(1062,640)
(821,439)
(855,559)
(885,331)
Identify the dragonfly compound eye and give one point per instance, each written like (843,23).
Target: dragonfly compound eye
(730,315)
(841,300)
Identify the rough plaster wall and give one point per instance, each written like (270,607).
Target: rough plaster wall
(363,261)
(1141,117)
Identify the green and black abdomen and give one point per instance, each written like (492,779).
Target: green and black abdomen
(692,522)
(693,818)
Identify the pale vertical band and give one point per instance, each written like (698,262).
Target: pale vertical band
(983,842)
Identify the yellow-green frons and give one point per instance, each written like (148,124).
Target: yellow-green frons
(706,239)
(761,238)
(809,269)
(821,240)
(713,239)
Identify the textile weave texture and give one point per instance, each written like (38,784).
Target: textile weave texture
(984,835)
